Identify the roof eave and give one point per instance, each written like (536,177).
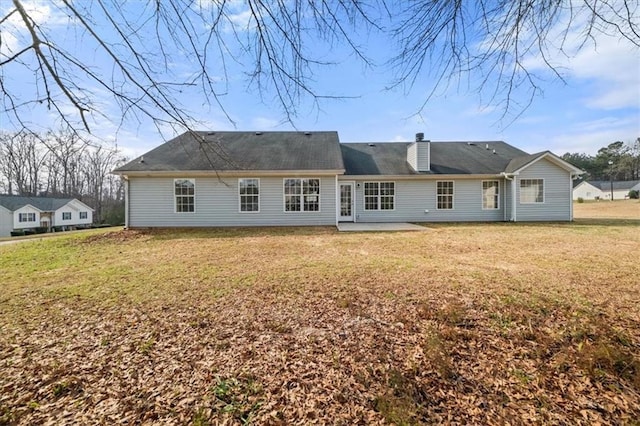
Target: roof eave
(33,207)
(225,173)
(430,176)
(555,159)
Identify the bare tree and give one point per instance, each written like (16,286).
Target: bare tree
(66,150)
(60,164)
(500,44)
(274,45)
(101,186)
(22,161)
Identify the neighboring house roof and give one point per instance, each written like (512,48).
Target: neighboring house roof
(621,185)
(390,158)
(235,151)
(578,182)
(45,204)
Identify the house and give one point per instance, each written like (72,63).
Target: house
(310,178)
(603,189)
(29,213)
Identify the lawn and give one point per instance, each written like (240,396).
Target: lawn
(617,209)
(463,324)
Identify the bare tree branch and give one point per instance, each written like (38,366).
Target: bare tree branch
(160,52)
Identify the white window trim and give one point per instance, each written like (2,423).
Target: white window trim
(453,195)
(240,196)
(544,190)
(482,194)
(86,214)
(70,215)
(173,192)
(379,196)
(27,217)
(301,211)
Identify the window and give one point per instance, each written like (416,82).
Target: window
(379,195)
(249,190)
(301,195)
(184,190)
(66,215)
(531,191)
(445,195)
(490,194)
(83,215)
(26,217)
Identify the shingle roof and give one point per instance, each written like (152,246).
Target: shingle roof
(472,157)
(390,158)
(521,161)
(231,151)
(45,204)
(619,185)
(376,159)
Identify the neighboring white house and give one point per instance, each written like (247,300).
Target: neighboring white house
(310,178)
(20,213)
(601,189)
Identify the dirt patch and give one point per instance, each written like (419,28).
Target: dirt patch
(122,236)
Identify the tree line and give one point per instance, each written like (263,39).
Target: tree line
(616,161)
(62,164)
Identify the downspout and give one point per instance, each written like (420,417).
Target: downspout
(512,179)
(337,198)
(126,202)
(572,177)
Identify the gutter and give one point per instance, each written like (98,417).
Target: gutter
(126,201)
(512,178)
(227,173)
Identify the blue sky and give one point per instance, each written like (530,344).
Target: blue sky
(598,103)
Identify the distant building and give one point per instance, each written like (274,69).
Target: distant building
(601,189)
(29,213)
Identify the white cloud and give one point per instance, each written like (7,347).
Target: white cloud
(480,110)
(241,20)
(608,64)
(588,137)
(264,123)
(401,138)
(15,35)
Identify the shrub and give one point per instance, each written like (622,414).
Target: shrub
(580,200)
(634,194)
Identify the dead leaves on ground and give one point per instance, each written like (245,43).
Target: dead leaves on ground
(302,343)
(312,361)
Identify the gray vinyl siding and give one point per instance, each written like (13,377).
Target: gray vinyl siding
(424,162)
(507,198)
(152,204)
(413,197)
(557,193)
(6,222)
(418,156)
(412,155)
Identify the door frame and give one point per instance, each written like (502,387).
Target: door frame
(351,218)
